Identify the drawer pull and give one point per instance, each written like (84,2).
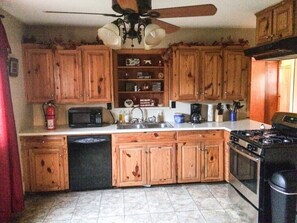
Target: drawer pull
(156,134)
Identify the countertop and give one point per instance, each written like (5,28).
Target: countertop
(244,124)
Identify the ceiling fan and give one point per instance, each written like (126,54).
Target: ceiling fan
(138,15)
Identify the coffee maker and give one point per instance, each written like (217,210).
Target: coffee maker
(196,113)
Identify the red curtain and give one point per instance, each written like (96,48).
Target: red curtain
(11,191)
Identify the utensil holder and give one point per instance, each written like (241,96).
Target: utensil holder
(233,116)
(218,118)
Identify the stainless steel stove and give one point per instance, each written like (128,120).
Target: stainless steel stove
(256,154)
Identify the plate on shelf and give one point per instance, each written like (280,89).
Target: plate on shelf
(128,103)
(160,75)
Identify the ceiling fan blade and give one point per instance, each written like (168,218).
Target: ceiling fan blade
(128,4)
(187,11)
(169,28)
(83,13)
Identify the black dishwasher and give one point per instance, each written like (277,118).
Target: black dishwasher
(89,159)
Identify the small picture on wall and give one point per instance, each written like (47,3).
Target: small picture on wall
(13,67)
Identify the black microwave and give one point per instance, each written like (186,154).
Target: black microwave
(82,117)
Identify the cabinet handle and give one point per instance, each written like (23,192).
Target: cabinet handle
(156,134)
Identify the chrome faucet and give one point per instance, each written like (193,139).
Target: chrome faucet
(135,119)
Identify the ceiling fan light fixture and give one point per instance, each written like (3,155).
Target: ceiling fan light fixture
(110,36)
(153,36)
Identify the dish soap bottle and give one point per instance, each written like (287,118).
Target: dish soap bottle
(121,117)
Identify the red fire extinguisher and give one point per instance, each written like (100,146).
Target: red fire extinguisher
(49,114)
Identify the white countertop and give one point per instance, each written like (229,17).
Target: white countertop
(244,124)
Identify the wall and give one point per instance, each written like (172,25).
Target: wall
(88,34)
(22,111)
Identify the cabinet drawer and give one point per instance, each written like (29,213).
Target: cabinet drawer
(199,135)
(42,141)
(144,137)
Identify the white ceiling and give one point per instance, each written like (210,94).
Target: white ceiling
(230,13)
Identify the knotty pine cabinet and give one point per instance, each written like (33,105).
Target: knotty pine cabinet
(200,156)
(39,73)
(146,158)
(237,71)
(44,163)
(209,73)
(276,22)
(82,75)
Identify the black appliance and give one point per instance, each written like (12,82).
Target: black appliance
(89,159)
(278,50)
(82,117)
(196,113)
(256,154)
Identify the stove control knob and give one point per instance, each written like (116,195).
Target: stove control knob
(234,139)
(251,148)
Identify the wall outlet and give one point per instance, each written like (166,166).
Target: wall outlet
(109,106)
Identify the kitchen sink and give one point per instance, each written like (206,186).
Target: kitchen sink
(144,125)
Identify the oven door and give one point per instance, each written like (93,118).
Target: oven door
(245,172)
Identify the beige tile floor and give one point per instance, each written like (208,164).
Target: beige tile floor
(207,203)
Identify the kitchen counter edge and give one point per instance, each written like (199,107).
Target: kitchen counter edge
(245,124)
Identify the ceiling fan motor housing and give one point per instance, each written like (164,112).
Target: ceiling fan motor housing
(143,6)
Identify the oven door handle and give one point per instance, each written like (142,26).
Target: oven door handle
(244,154)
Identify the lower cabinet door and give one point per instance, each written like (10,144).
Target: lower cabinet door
(46,168)
(161,164)
(212,161)
(131,165)
(188,162)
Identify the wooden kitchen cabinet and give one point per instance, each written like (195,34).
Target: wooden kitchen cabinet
(68,76)
(161,164)
(276,22)
(143,158)
(200,156)
(97,73)
(82,75)
(39,75)
(236,74)
(45,163)
(132,165)
(211,72)
(185,78)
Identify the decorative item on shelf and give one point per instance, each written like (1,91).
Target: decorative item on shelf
(146,102)
(145,87)
(144,75)
(126,75)
(160,63)
(129,86)
(147,62)
(128,103)
(132,62)
(160,75)
(156,86)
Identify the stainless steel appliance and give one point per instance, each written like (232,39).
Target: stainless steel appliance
(256,154)
(82,117)
(89,159)
(196,113)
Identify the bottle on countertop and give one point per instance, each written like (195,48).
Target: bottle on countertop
(121,117)
(160,117)
(127,117)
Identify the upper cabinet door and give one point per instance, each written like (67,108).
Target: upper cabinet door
(68,76)
(236,74)
(264,27)
(39,76)
(211,67)
(97,74)
(283,20)
(185,75)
